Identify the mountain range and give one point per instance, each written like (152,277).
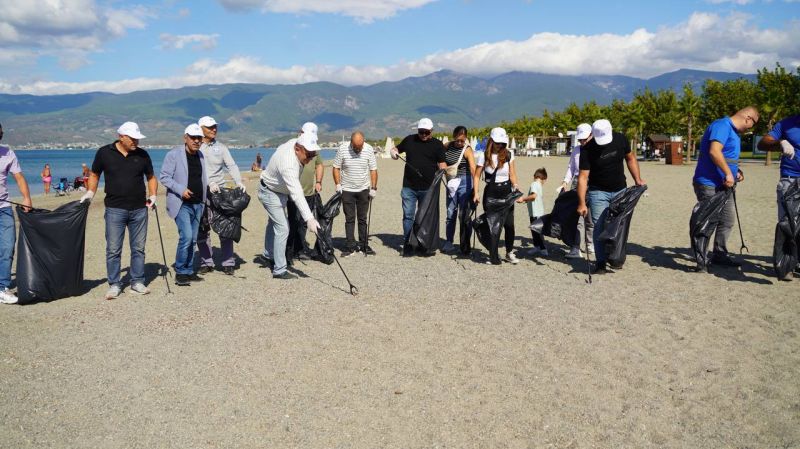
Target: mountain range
(255,114)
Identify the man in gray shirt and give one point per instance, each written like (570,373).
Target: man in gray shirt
(218,162)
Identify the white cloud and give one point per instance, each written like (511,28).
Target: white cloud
(196,41)
(703,41)
(362,10)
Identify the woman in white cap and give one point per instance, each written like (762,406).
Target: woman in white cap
(583,134)
(497,162)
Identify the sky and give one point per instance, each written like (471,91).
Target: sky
(72,46)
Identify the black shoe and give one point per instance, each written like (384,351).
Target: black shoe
(701,268)
(302,255)
(600,268)
(285,275)
(195,277)
(724,260)
(264,261)
(349,250)
(228,270)
(182,280)
(615,266)
(205,269)
(368,251)
(408,250)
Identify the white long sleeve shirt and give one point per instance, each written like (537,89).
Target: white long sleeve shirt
(572,168)
(219,161)
(282,175)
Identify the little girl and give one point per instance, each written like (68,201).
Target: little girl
(535,202)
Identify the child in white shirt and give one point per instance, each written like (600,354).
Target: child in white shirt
(535,200)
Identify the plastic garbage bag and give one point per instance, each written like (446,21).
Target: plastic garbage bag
(787,233)
(227,206)
(618,223)
(327,213)
(562,222)
(50,252)
(465,227)
(425,231)
(704,220)
(489,224)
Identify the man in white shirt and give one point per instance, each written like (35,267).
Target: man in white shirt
(585,225)
(280,181)
(355,172)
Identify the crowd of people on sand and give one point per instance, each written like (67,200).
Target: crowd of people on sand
(201,167)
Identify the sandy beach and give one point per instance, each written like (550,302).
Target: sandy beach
(433,352)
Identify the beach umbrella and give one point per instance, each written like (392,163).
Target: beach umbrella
(326,214)
(445,140)
(618,223)
(562,222)
(513,143)
(705,217)
(787,233)
(425,231)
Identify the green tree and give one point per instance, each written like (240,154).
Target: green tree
(689,106)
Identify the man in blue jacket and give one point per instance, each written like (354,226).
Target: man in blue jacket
(183,174)
(718,169)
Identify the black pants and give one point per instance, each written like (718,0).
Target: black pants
(355,204)
(502,190)
(297,230)
(538,241)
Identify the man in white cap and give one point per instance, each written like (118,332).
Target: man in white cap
(279,182)
(311,180)
(425,155)
(585,226)
(125,166)
(183,173)
(8,235)
(602,178)
(218,163)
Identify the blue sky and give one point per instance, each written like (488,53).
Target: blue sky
(65,46)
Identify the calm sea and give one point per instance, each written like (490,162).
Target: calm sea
(67,164)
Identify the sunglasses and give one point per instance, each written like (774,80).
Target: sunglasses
(752,120)
(424,132)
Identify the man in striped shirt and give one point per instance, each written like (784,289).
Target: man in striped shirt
(355,172)
(280,181)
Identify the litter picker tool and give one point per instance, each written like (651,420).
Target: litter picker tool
(369,218)
(741,235)
(586,242)
(353,288)
(163,254)
(29,207)
(412,167)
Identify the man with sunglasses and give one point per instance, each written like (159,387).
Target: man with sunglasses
(218,162)
(425,155)
(718,161)
(279,182)
(183,173)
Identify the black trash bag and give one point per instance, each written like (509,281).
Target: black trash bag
(324,245)
(489,224)
(465,215)
(787,233)
(424,235)
(618,223)
(562,222)
(706,215)
(227,206)
(50,252)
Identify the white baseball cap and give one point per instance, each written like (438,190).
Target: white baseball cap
(194,130)
(601,132)
(583,131)
(308,141)
(130,129)
(207,121)
(499,135)
(309,128)
(425,123)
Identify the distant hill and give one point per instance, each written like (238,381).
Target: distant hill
(257,113)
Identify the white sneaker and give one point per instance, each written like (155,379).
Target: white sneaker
(575,253)
(448,247)
(511,258)
(113,292)
(139,289)
(6,297)
(591,250)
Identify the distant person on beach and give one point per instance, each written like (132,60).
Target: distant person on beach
(460,162)
(125,166)
(784,137)
(718,169)
(8,233)
(355,172)
(535,200)
(183,173)
(47,178)
(85,172)
(424,157)
(279,182)
(297,246)
(499,167)
(218,163)
(585,226)
(256,166)
(602,178)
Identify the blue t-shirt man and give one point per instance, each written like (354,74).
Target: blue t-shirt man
(723,131)
(789,129)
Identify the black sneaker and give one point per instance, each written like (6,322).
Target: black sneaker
(600,268)
(195,277)
(302,255)
(349,251)
(264,261)
(408,250)
(724,260)
(228,270)
(367,250)
(285,275)
(205,269)
(182,280)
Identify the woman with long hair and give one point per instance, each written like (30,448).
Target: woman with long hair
(460,171)
(47,178)
(497,163)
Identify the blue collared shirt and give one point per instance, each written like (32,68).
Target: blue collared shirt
(722,130)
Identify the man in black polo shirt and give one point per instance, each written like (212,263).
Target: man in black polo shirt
(602,178)
(425,155)
(125,166)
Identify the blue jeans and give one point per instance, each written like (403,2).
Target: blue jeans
(454,204)
(411,198)
(188,221)
(8,237)
(598,202)
(116,222)
(277,228)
